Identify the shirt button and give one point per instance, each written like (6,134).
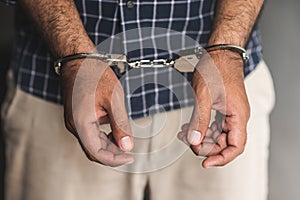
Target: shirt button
(130,4)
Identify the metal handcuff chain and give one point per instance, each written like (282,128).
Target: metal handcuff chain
(185,63)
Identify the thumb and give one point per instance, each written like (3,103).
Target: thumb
(119,121)
(200,119)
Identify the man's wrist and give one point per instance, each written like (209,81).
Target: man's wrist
(221,35)
(233,48)
(73,47)
(228,63)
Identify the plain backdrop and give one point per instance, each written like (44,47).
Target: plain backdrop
(280,26)
(281,31)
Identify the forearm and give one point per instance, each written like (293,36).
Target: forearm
(222,89)
(59,23)
(234,20)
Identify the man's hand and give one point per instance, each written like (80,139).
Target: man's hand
(222,87)
(92,102)
(218,85)
(93,95)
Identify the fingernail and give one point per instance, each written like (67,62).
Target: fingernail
(126,143)
(194,137)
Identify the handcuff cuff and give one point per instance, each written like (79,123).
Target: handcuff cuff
(185,63)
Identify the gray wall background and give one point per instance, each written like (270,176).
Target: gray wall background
(280,30)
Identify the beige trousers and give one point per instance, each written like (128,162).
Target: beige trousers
(45,162)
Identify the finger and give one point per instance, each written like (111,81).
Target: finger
(236,139)
(100,148)
(208,140)
(112,145)
(215,135)
(119,121)
(185,127)
(111,154)
(182,136)
(209,132)
(220,121)
(114,160)
(213,126)
(200,119)
(209,147)
(212,144)
(222,140)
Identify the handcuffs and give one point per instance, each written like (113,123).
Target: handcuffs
(185,63)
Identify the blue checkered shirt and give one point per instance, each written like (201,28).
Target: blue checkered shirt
(148,90)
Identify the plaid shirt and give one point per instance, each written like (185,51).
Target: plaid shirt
(148,90)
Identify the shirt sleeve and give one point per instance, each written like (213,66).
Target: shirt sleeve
(8,2)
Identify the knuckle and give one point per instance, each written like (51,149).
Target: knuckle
(69,125)
(223,164)
(200,124)
(196,150)
(88,155)
(69,120)
(91,158)
(122,125)
(240,150)
(196,153)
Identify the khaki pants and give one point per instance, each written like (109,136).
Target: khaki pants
(44,161)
